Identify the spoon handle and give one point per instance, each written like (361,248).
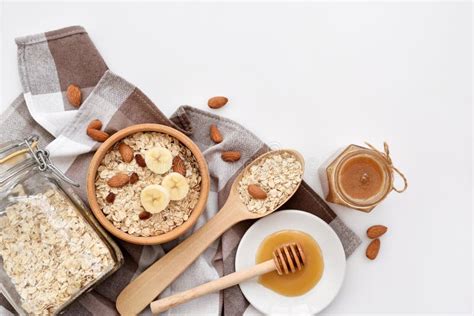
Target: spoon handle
(210,287)
(149,284)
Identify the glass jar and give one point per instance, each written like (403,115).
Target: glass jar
(360,178)
(51,248)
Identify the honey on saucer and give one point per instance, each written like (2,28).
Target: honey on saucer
(300,282)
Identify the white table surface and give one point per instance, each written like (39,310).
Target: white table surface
(316,77)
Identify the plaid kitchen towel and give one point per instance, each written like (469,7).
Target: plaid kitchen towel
(48,63)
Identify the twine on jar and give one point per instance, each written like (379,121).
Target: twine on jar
(386,156)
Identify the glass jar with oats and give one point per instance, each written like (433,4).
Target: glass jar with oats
(51,248)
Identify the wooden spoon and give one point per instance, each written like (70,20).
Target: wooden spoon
(149,284)
(287,258)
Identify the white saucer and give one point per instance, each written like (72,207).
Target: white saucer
(312,302)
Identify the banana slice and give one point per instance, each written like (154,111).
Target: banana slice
(158,159)
(155,198)
(177,185)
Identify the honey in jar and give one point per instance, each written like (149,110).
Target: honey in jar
(360,178)
(299,282)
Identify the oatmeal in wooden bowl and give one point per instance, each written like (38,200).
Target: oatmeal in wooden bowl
(148,184)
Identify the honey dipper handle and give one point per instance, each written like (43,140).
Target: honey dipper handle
(211,287)
(147,286)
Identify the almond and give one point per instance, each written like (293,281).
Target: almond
(74,95)
(95,124)
(119,180)
(230,156)
(373,249)
(126,152)
(178,166)
(144,215)
(133,178)
(215,134)
(110,198)
(257,192)
(140,160)
(217,102)
(97,135)
(376,231)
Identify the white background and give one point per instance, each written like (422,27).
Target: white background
(316,77)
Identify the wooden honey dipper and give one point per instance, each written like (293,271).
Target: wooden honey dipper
(288,258)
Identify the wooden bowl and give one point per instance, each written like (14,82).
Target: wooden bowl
(99,156)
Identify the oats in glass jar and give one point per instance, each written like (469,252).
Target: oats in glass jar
(49,251)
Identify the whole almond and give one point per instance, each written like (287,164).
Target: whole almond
(178,165)
(126,152)
(373,249)
(217,102)
(376,231)
(95,124)
(144,215)
(110,198)
(140,160)
(230,156)
(74,95)
(215,134)
(257,192)
(119,180)
(133,178)
(97,135)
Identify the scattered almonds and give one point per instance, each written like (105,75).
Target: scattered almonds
(119,180)
(278,175)
(74,95)
(230,156)
(97,135)
(94,132)
(376,231)
(126,152)
(215,134)
(95,124)
(373,249)
(217,102)
(178,166)
(256,192)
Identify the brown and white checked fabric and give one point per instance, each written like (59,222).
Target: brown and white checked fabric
(48,63)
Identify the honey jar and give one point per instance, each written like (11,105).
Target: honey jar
(360,177)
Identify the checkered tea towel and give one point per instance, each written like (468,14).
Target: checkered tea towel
(48,63)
